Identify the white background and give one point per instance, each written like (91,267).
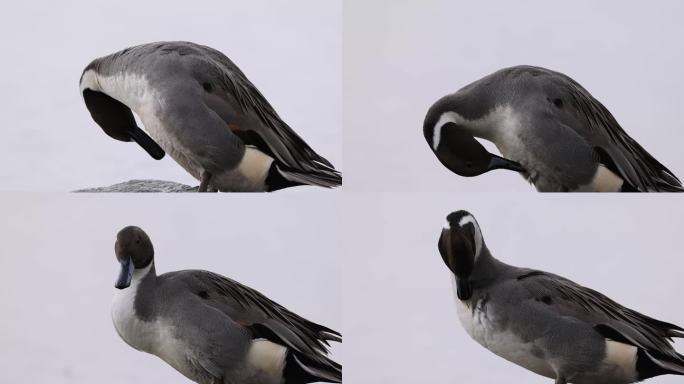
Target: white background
(401,324)
(58,272)
(290,50)
(401,56)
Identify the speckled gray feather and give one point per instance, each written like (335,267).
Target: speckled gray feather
(569,340)
(218,313)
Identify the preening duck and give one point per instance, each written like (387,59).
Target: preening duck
(198,106)
(548,128)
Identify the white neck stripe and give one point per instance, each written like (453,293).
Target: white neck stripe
(139,275)
(501,117)
(478,235)
(447,117)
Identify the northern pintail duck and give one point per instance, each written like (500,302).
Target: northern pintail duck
(549,324)
(548,128)
(201,109)
(213,329)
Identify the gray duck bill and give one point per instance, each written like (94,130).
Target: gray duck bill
(126,274)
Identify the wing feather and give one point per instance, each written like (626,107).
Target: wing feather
(235,90)
(602,130)
(589,305)
(250,308)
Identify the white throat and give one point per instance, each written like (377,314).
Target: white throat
(131,89)
(125,319)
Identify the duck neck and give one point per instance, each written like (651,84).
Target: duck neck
(487,268)
(144,276)
(144,282)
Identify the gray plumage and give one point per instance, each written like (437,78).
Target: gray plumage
(199,107)
(549,324)
(549,124)
(212,329)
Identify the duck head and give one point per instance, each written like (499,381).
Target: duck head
(133,249)
(460,245)
(114,117)
(449,133)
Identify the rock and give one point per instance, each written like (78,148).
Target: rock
(143,186)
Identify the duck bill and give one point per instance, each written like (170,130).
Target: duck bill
(147,143)
(498,162)
(126,274)
(463,289)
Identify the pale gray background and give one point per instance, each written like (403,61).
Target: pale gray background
(400,319)
(58,272)
(400,56)
(291,50)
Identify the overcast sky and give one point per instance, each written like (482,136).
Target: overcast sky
(290,50)
(400,318)
(401,56)
(59,268)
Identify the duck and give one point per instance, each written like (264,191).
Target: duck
(548,324)
(548,128)
(199,107)
(213,329)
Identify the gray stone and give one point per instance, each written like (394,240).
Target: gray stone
(143,186)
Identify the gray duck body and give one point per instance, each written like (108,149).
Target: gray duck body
(549,324)
(564,138)
(204,112)
(518,321)
(212,329)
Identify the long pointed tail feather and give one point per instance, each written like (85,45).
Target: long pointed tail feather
(299,369)
(281,176)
